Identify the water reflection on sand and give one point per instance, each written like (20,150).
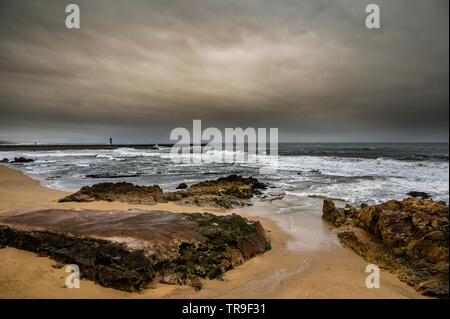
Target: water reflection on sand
(301,218)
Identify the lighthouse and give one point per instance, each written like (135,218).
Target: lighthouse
(110,140)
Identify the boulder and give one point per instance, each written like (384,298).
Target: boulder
(422,195)
(121,192)
(182,186)
(22,160)
(5,160)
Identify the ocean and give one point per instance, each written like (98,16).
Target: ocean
(355,173)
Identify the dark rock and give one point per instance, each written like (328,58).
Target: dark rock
(112,176)
(410,238)
(225,192)
(182,186)
(22,160)
(271,196)
(58,265)
(5,160)
(132,250)
(422,195)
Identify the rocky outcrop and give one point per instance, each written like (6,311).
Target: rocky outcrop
(182,186)
(225,192)
(5,160)
(422,195)
(22,160)
(409,238)
(120,192)
(132,250)
(112,175)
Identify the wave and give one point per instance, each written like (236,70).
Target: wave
(354,179)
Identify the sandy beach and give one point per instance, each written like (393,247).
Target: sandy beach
(306,260)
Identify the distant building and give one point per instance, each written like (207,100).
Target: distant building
(110,140)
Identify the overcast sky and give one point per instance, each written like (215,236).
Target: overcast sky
(137,69)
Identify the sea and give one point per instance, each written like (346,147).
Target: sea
(369,173)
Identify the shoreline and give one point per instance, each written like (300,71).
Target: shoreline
(304,261)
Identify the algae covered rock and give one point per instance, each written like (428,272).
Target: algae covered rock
(132,250)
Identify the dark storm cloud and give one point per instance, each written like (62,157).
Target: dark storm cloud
(137,69)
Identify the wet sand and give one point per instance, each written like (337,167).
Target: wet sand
(306,260)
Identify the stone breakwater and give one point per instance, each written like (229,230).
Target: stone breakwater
(227,192)
(409,238)
(133,250)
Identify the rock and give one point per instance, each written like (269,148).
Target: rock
(337,216)
(112,176)
(330,212)
(182,186)
(22,160)
(121,192)
(271,196)
(422,195)
(225,192)
(58,265)
(132,250)
(410,238)
(5,160)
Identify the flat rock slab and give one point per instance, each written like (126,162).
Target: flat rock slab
(131,250)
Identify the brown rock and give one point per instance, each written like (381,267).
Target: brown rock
(225,192)
(360,241)
(121,192)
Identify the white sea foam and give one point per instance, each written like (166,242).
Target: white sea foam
(356,180)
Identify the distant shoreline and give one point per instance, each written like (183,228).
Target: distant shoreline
(55,147)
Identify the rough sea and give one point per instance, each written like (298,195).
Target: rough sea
(356,173)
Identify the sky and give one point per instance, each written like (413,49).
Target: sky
(137,69)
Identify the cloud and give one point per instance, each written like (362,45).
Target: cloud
(137,69)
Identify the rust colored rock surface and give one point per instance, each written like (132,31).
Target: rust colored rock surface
(410,238)
(131,250)
(225,192)
(120,192)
